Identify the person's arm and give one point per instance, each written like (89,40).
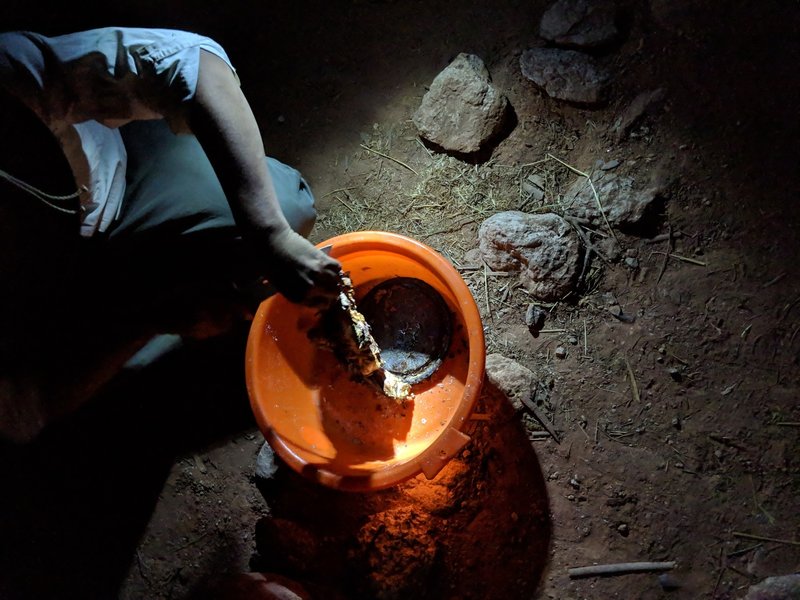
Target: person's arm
(221,118)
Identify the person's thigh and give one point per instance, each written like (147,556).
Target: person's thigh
(172,189)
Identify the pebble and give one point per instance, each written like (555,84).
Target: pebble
(668,582)
(561,352)
(631,262)
(611,164)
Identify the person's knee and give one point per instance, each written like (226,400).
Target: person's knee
(303,215)
(294,195)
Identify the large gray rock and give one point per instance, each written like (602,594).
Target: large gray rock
(513,379)
(462,111)
(579,23)
(544,248)
(566,75)
(784,587)
(623,202)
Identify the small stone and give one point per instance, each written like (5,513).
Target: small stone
(623,529)
(611,164)
(668,582)
(573,340)
(266,465)
(534,318)
(675,374)
(676,422)
(632,263)
(561,352)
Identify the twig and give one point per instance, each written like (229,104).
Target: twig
(774,280)
(336,191)
(539,416)
(788,424)
(399,162)
(632,379)
(736,553)
(424,147)
(346,205)
(666,254)
(594,191)
(585,341)
(721,439)
(759,538)
(620,569)
(486,292)
(682,258)
(585,239)
(758,505)
(459,225)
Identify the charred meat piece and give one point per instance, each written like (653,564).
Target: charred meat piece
(344,331)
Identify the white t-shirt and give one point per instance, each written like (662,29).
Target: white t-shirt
(85,85)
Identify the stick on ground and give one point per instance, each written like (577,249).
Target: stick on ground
(620,569)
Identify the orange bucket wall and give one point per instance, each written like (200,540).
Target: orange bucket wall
(345,434)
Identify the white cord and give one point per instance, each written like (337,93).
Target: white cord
(43,196)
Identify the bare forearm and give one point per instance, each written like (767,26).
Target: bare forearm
(223,122)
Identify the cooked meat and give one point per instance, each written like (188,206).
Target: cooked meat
(345,331)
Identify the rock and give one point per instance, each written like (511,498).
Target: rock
(543,247)
(624,205)
(534,318)
(611,164)
(579,24)
(266,465)
(668,582)
(462,111)
(511,378)
(646,102)
(784,587)
(561,352)
(631,262)
(566,75)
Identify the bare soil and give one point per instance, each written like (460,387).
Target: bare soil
(678,422)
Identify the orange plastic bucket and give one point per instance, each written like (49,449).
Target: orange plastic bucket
(345,434)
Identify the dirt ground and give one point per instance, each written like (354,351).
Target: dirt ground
(676,403)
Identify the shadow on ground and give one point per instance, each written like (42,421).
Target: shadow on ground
(76,501)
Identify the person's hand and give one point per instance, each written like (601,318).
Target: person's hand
(300,271)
